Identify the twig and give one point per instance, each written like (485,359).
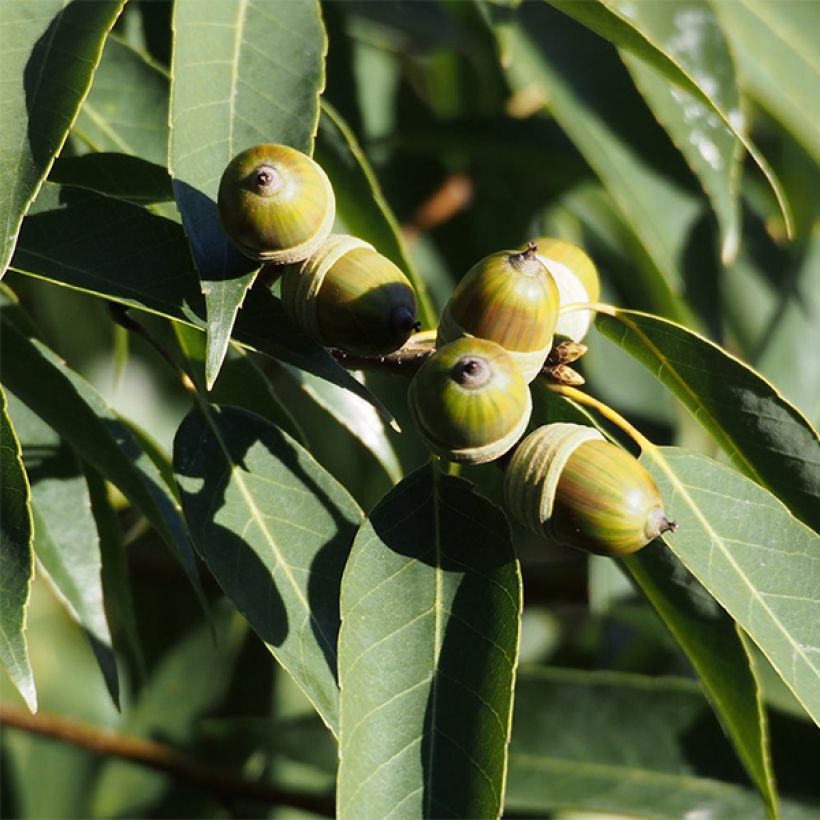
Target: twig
(451,197)
(162,758)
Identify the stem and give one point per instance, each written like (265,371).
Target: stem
(597,307)
(402,362)
(162,758)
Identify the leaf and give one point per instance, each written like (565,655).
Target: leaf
(652,34)
(243,74)
(112,249)
(759,563)
(603,115)
(717,650)
(66,542)
(361,208)
(16,559)
(692,36)
(760,431)
(48,55)
(431,606)
(119,175)
(71,406)
(275,530)
(775,44)
(127,108)
(625,744)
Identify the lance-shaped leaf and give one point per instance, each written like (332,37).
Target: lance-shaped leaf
(127,107)
(47,57)
(16,559)
(691,34)
(361,208)
(243,74)
(275,529)
(72,407)
(626,744)
(719,653)
(765,436)
(760,564)
(431,606)
(65,534)
(124,253)
(651,31)
(776,48)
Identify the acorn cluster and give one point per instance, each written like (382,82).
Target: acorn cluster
(470,399)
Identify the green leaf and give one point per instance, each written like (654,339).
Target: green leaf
(119,175)
(243,73)
(124,253)
(66,542)
(361,208)
(775,44)
(127,108)
(717,650)
(47,58)
(275,529)
(431,606)
(602,113)
(16,559)
(656,34)
(691,35)
(757,561)
(71,406)
(626,744)
(761,432)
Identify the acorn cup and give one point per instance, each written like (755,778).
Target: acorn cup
(509,298)
(470,401)
(567,483)
(348,295)
(576,276)
(276,204)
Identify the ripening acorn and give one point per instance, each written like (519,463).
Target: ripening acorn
(576,276)
(470,401)
(567,483)
(348,295)
(276,204)
(509,298)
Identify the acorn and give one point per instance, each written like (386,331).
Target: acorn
(566,482)
(577,279)
(510,298)
(348,295)
(470,401)
(276,204)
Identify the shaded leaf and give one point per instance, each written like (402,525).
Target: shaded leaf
(361,208)
(65,533)
(759,563)
(71,406)
(760,431)
(48,55)
(16,559)
(431,605)
(242,74)
(627,744)
(127,108)
(275,530)
(776,47)
(121,252)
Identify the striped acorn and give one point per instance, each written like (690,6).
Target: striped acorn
(510,298)
(469,401)
(276,204)
(577,279)
(348,295)
(566,482)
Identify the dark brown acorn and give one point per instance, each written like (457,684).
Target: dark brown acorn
(276,204)
(348,295)
(510,298)
(566,482)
